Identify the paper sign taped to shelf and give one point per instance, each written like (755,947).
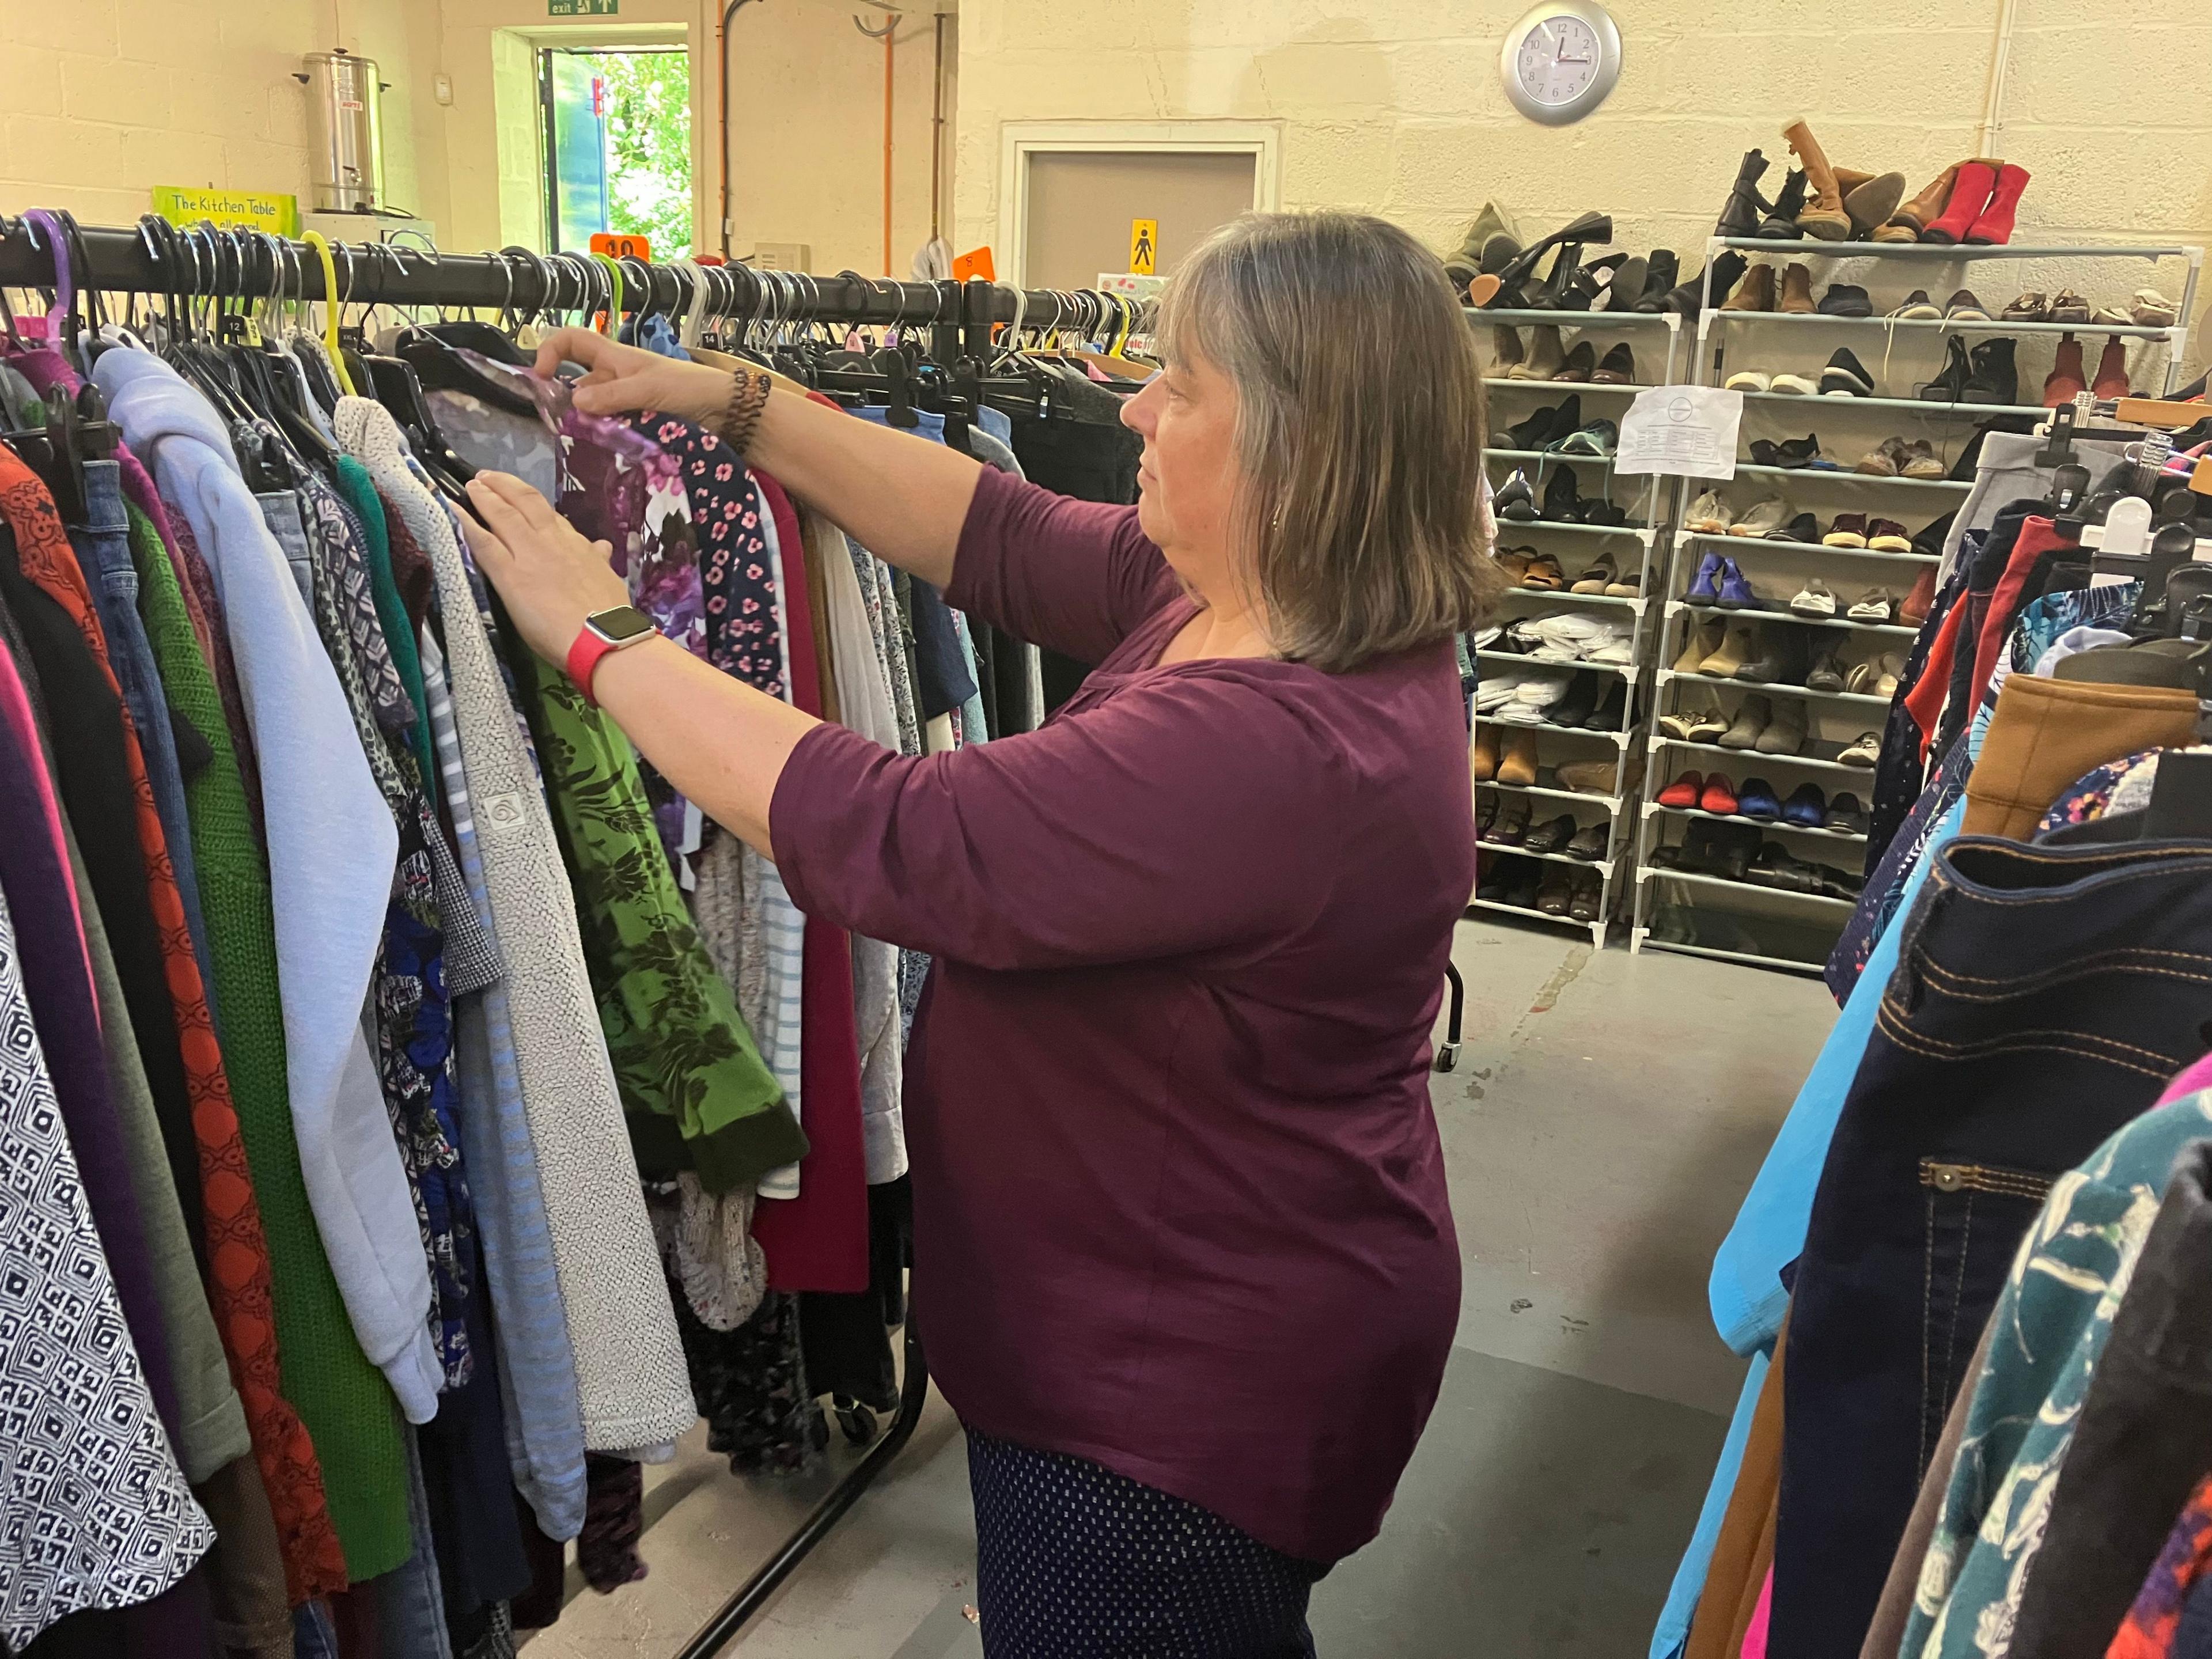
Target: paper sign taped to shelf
(1682,432)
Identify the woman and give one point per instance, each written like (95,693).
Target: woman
(1185,1265)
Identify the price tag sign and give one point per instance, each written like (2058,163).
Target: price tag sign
(622,247)
(1682,432)
(1144,248)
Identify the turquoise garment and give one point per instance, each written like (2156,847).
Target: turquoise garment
(2047,1334)
(1673,1632)
(360,494)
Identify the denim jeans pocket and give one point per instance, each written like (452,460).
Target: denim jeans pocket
(1975,1216)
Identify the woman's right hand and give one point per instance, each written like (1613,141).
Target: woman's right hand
(624,378)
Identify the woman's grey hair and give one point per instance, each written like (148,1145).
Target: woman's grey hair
(1360,429)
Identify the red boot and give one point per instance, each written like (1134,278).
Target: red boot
(2066,379)
(2112,380)
(1994,227)
(1970,194)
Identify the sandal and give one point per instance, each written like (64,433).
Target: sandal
(1545,574)
(2154,310)
(1860,682)
(2028,309)
(2069,307)
(1515,563)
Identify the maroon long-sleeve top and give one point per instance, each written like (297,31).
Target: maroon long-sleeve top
(1179,1202)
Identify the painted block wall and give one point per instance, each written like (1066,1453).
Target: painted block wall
(102,99)
(1394,106)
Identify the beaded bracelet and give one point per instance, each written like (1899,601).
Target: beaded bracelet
(749,390)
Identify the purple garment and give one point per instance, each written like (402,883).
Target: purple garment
(1179,1201)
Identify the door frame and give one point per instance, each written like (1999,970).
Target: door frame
(1019,140)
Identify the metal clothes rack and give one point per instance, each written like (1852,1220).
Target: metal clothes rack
(213,263)
(515,282)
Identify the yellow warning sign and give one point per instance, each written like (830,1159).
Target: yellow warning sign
(1144,248)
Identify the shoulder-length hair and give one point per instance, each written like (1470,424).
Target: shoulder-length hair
(1360,429)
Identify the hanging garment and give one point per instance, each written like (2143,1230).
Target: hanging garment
(538,1370)
(630,1363)
(2053,1325)
(332,1470)
(1878,1337)
(102,1515)
(695,1092)
(2145,1424)
(2046,733)
(1196,1020)
(397,626)
(319,796)
(2168,1601)
(1743,1551)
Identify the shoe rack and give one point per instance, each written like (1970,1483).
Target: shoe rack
(1793,926)
(1637,550)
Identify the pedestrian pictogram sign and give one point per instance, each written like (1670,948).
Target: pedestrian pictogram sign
(1144,248)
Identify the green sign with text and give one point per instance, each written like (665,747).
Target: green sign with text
(583,7)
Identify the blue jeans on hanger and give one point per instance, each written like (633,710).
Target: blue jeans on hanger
(2043,997)
(102,545)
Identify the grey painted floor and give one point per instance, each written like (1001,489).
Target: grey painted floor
(1607,1115)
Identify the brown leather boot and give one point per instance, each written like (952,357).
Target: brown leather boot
(1823,215)
(1797,291)
(1755,292)
(1909,219)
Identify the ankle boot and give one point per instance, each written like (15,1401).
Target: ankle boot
(1547,356)
(1627,287)
(2066,379)
(1970,190)
(1869,198)
(2112,380)
(1468,262)
(1504,351)
(1755,292)
(1563,504)
(1992,227)
(1552,295)
(1796,299)
(1589,283)
(1685,297)
(1996,379)
(1740,214)
(1824,216)
(1950,386)
(1666,270)
(1906,224)
(1781,224)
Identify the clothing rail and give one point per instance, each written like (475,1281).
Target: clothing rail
(117,261)
(204,263)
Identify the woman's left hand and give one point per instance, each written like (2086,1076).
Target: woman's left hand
(548,575)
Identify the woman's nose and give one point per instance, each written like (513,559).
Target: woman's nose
(1137,411)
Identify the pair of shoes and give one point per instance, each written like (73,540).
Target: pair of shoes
(1566,835)
(1877,535)
(1752,717)
(2069,378)
(1693,722)
(1964,307)
(1578,895)
(1814,599)
(1772,656)
(1845,376)
(1720,584)
(1991,375)
(1546,425)
(1877,676)
(1865,750)
(1692,792)
(1489,246)
(1517,758)
(1602,578)
(1793,454)
(1763,521)
(1980,206)
(1917,307)
(1846,816)
(1482,755)
(1899,458)
(1515,883)
(1873,607)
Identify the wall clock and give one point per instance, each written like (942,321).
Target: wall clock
(1561,60)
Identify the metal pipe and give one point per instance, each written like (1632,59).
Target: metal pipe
(2000,67)
(722,110)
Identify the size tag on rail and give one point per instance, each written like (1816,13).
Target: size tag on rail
(1682,432)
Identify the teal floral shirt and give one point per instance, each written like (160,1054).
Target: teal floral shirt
(2047,1331)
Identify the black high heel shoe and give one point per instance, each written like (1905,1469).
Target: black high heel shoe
(1504,287)
(1556,288)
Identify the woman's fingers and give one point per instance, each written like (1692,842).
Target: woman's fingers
(501,517)
(524,498)
(490,554)
(569,345)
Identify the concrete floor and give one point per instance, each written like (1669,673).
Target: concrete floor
(1607,1115)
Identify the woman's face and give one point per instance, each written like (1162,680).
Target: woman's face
(1187,482)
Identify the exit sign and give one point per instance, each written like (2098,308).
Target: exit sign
(583,7)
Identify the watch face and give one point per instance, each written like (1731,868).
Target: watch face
(621,625)
(1559,61)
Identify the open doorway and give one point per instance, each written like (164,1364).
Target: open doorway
(618,145)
